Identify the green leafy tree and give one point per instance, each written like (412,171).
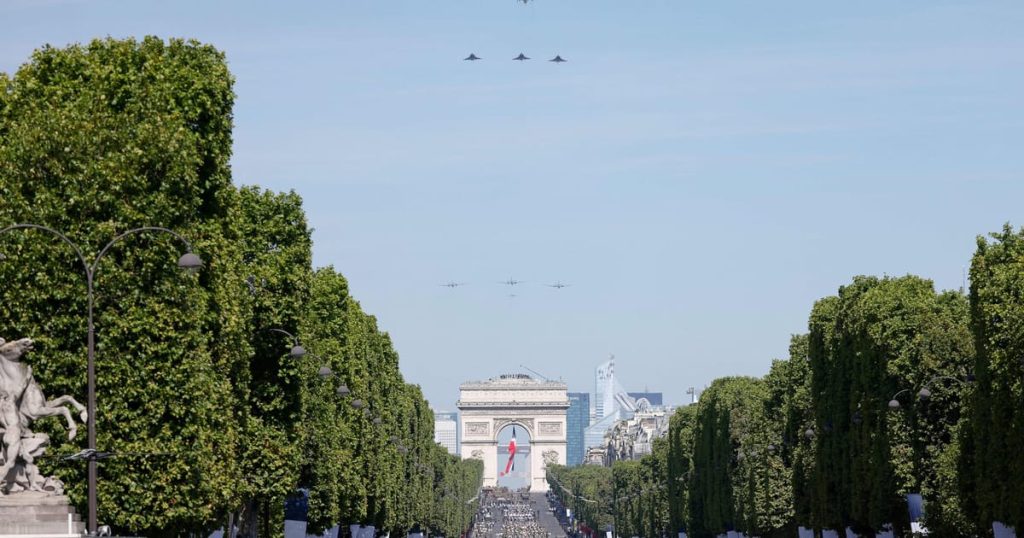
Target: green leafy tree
(269,388)
(679,465)
(94,140)
(991,469)
(730,440)
(879,337)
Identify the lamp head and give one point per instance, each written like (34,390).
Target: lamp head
(894,404)
(357,403)
(343,391)
(325,372)
(924,393)
(809,434)
(376,420)
(190,262)
(297,351)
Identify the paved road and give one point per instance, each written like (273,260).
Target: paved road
(536,507)
(547,519)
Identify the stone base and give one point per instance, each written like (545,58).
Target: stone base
(38,515)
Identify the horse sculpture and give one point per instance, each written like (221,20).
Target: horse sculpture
(21,403)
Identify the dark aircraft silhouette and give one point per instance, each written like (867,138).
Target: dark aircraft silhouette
(511,282)
(452,284)
(558,59)
(472,57)
(521,57)
(558,285)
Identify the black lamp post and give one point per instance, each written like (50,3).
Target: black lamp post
(297,351)
(925,392)
(188,261)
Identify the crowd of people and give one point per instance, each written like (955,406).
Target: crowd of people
(507,514)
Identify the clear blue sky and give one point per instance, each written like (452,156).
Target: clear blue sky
(700,172)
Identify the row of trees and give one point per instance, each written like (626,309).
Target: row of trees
(895,390)
(214,419)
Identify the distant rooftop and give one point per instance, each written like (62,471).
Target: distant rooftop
(513,381)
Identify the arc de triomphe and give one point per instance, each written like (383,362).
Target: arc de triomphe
(538,407)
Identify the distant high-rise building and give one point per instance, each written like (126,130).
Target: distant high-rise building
(577,420)
(653,398)
(611,404)
(604,388)
(446,430)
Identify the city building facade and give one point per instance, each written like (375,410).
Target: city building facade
(446,430)
(656,399)
(577,421)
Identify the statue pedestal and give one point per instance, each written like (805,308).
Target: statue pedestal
(38,514)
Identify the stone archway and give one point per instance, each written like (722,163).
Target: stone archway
(520,474)
(539,407)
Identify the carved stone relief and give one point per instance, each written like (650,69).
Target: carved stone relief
(477,428)
(500,423)
(551,428)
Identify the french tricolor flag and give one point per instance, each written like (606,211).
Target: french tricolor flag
(511,465)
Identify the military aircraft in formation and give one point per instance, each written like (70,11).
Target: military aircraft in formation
(452,284)
(557,59)
(558,285)
(511,282)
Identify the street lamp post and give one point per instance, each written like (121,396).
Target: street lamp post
(925,392)
(188,261)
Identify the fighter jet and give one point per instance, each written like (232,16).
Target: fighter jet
(558,59)
(452,284)
(511,282)
(473,57)
(521,57)
(558,285)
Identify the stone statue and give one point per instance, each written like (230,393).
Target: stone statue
(550,457)
(477,454)
(21,403)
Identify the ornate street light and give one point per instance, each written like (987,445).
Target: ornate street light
(343,390)
(297,351)
(188,261)
(357,403)
(925,393)
(325,372)
(809,433)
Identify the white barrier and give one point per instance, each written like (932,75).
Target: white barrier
(829,533)
(1001,530)
(804,532)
